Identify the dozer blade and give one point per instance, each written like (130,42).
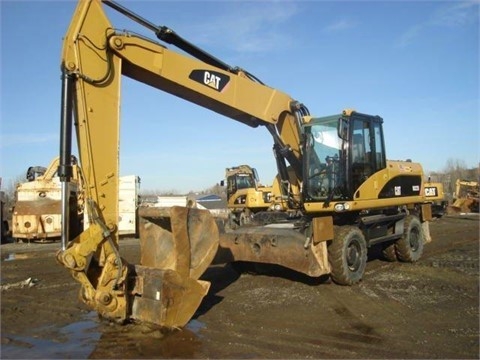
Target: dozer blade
(177,246)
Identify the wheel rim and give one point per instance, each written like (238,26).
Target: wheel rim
(414,240)
(353,256)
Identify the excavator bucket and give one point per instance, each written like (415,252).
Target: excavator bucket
(177,246)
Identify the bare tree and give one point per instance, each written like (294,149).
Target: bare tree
(158,192)
(11,190)
(216,190)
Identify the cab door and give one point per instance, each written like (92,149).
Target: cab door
(366,153)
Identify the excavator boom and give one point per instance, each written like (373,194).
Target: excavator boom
(177,245)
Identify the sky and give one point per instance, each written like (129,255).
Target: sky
(414,63)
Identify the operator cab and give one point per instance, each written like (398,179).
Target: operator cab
(239,178)
(341,152)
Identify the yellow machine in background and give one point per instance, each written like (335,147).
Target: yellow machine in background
(249,201)
(466,198)
(332,171)
(37,216)
(245,195)
(37,212)
(436,195)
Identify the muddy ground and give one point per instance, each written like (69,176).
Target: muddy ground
(425,310)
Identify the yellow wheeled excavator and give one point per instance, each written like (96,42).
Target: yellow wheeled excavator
(248,200)
(245,195)
(332,171)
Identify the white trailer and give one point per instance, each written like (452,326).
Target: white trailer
(128,202)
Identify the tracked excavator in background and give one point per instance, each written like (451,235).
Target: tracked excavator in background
(333,170)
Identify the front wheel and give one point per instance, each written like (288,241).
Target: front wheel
(347,255)
(409,247)
(245,217)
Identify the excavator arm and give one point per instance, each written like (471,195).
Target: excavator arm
(176,246)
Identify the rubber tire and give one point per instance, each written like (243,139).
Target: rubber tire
(409,247)
(232,221)
(243,220)
(347,239)
(389,252)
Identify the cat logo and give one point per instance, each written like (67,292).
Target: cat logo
(212,79)
(430,191)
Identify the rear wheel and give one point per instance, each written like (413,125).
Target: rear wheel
(347,255)
(389,252)
(409,247)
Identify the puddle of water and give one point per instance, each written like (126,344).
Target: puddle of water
(137,341)
(15,256)
(195,326)
(80,340)
(91,338)
(10,257)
